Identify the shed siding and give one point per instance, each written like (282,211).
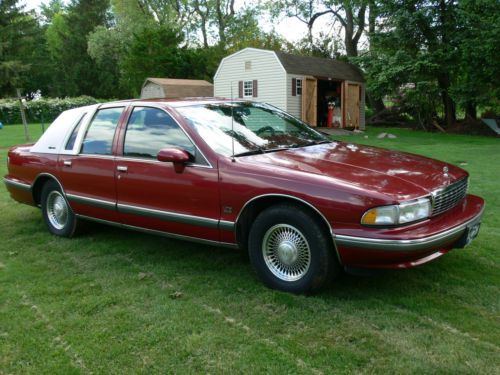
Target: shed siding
(264,67)
(294,103)
(152,90)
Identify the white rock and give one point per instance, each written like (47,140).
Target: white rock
(381,135)
(391,136)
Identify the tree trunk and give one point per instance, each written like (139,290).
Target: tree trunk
(376,103)
(351,46)
(448,104)
(471,110)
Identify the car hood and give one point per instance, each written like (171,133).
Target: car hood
(396,174)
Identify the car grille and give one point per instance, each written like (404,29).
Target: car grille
(448,197)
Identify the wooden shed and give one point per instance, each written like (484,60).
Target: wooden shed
(300,85)
(175,88)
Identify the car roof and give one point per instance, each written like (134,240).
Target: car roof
(175,102)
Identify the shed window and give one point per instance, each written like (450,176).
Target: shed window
(298,87)
(247,89)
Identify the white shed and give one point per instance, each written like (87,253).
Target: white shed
(175,88)
(303,86)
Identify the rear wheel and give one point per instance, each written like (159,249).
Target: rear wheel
(57,213)
(290,250)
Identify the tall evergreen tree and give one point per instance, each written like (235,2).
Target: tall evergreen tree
(18,32)
(68,44)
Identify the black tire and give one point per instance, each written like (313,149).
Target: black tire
(56,212)
(290,251)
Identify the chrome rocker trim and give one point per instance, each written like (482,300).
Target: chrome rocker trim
(99,203)
(425,243)
(168,216)
(17,184)
(160,233)
(157,214)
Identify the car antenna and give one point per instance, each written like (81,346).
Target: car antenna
(232,124)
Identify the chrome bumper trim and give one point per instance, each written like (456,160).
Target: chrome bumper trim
(425,243)
(16,184)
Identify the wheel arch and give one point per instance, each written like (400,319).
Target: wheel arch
(257,204)
(37,186)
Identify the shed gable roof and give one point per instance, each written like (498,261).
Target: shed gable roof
(319,67)
(177,82)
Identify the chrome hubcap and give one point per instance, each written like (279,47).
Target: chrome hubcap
(57,210)
(286,252)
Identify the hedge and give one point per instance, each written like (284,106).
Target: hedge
(41,110)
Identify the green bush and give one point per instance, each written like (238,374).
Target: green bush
(41,110)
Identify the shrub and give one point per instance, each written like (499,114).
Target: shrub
(41,110)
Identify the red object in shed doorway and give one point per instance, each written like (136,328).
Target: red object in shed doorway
(329,120)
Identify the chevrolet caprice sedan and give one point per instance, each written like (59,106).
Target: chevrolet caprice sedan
(245,174)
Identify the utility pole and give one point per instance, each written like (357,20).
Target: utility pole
(23,115)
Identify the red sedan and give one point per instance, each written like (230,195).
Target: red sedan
(245,174)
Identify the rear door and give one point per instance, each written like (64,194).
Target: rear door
(150,193)
(88,178)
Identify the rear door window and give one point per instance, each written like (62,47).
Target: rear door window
(101,131)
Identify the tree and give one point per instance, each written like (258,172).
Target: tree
(478,33)
(18,36)
(67,43)
(50,9)
(350,14)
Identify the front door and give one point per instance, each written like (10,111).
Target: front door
(309,101)
(152,194)
(89,177)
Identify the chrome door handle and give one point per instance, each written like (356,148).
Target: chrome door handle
(67,163)
(122,168)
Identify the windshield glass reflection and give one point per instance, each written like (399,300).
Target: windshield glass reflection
(254,127)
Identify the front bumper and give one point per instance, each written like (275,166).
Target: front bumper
(457,228)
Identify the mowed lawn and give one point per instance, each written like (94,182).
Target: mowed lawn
(115,302)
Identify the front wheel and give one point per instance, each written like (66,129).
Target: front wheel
(57,213)
(290,250)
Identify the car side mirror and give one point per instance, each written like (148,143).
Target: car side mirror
(176,156)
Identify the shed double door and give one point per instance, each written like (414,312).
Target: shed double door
(310,101)
(353,98)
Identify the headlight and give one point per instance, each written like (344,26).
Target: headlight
(402,213)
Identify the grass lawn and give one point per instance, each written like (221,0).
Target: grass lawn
(113,301)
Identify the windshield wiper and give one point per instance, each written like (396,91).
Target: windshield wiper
(261,151)
(311,143)
(250,152)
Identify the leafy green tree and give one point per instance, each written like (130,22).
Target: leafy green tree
(153,52)
(67,43)
(18,37)
(478,36)
(349,14)
(50,9)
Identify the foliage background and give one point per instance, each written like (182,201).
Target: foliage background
(436,58)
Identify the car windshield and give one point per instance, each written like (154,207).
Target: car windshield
(249,128)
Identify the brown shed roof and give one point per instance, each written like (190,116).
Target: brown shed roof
(178,82)
(319,67)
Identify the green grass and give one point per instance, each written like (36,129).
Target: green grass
(112,301)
